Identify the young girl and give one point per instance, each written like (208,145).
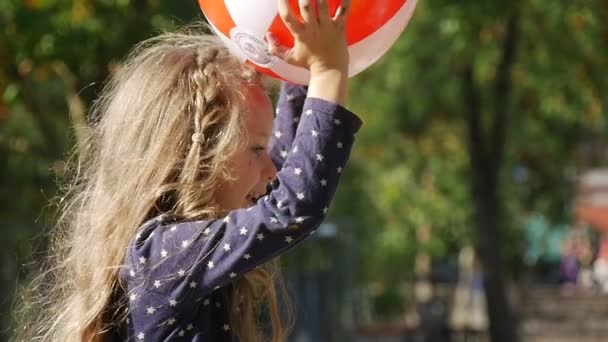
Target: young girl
(177,209)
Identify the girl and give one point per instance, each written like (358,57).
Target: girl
(169,231)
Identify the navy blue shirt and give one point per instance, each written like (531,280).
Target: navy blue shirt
(175,271)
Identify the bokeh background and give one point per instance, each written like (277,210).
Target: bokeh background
(473,209)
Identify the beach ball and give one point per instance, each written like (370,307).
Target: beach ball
(372,28)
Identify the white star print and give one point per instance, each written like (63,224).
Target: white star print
(142,260)
(192,284)
(314,133)
(190,327)
(300,195)
(337,122)
(260,236)
(207,231)
(295,149)
(296,119)
(284,154)
(247,256)
(325,210)
(299,219)
(273,220)
(226,247)
(173,228)
(339,170)
(226,327)
(210,264)
(319,157)
(279,204)
(132,273)
(171,321)
(181,332)
(133,297)
(290,97)
(150,310)
(323,182)
(297,171)
(140,336)
(185,243)
(163,253)
(181,272)
(288,239)
(206,302)
(278,111)
(339,144)
(172,302)
(232,275)
(157,283)
(227,219)
(308,112)
(243,231)
(278,134)
(138,236)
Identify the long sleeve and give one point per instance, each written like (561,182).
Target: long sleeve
(173,268)
(288,113)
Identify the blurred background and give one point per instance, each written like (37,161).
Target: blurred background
(475,207)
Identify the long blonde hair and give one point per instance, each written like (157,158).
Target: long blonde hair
(138,162)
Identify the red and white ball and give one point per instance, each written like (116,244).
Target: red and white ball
(372,28)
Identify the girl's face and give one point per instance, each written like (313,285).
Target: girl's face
(251,166)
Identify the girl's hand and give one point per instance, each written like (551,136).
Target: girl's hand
(320,42)
(320,46)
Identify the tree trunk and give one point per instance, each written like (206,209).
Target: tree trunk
(485,153)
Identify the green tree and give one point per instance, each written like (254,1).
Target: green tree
(516,86)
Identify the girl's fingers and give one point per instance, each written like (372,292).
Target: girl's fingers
(307,11)
(323,11)
(342,13)
(289,18)
(274,47)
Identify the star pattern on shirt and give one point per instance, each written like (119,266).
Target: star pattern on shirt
(315,158)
